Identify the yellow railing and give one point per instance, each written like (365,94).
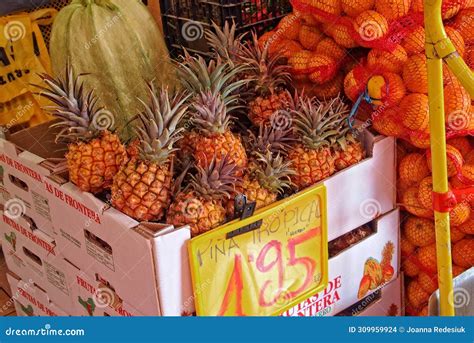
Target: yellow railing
(439,48)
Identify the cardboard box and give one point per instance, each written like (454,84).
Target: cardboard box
(32,255)
(387,301)
(30,300)
(145,264)
(26,160)
(364,191)
(346,271)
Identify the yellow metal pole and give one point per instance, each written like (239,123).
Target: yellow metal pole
(434,31)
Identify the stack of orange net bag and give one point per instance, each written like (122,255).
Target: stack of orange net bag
(373,51)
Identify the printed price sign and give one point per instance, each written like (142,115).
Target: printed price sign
(265,264)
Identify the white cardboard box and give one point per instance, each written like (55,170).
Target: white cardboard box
(32,255)
(30,300)
(346,271)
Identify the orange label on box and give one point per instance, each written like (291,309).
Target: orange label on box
(264,264)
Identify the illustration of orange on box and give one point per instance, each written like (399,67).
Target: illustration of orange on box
(264,264)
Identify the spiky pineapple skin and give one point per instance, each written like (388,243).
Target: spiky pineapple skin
(142,189)
(219,145)
(352,155)
(261,108)
(200,214)
(311,166)
(92,165)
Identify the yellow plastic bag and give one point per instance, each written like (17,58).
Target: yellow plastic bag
(23,55)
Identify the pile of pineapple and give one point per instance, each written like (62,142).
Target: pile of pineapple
(234,130)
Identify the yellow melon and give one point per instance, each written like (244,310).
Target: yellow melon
(386,89)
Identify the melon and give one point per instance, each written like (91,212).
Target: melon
(119,48)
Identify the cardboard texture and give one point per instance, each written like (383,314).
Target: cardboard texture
(30,300)
(348,269)
(32,255)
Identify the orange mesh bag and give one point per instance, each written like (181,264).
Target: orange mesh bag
(391,61)
(464,23)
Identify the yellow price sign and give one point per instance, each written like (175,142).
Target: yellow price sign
(265,264)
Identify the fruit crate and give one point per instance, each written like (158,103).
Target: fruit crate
(184,21)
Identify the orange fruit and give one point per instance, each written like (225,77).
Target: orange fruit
(468,227)
(392,9)
(414,41)
(457,106)
(386,89)
(457,270)
(411,203)
(310,36)
(415,112)
(410,268)
(429,282)
(420,140)
(463,24)
(450,8)
(306,18)
(415,74)
(419,231)
(331,88)
(467,172)
(469,157)
(455,160)
(469,56)
(416,295)
(427,258)
(326,68)
(425,192)
(341,33)
(407,248)
(289,27)
(456,234)
(460,213)
(370,26)
(463,252)
(299,61)
(456,39)
(327,46)
(288,48)
(331,7)
(462,144)
(392,61)
(413,168)
(352,86)
(423,312)
(387,123)
(354,7)
(417,6)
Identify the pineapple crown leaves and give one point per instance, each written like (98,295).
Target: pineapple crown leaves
(210,113)
(217,181)
(159,124)
(387,253)
(345,134)
(316,123)
(219,77)
(267,72)
(224,42)
(270,138)
(272,172)
(77,109)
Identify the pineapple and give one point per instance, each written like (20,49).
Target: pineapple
(419,231)
(348,149)
(94,153)
(215,97)
(201,203)
(386,263)
(268,178)
(315,125)
(142,187)
(224,42)
(268,79)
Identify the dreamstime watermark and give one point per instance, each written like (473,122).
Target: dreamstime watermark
(14,208)
(103,120)
(460,297)
(44,331)
(458,120)
(192,31)
(371,30)
(281,120)
(14,31)
(370,208)
(22,110)
(192,208)
(6,306)
(108,25)
(104,297)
